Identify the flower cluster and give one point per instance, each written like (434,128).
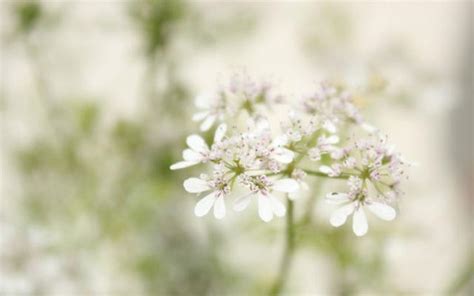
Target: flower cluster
(251,157)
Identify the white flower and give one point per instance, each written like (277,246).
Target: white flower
(331,171)
(262,188)
(356,207)
(213,108)
(299,175)
(198,151)
(278,152)
(220,188)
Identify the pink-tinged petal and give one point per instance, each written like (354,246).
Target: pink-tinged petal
(359,222)
(219,207)
(197,143)
(205,204)
(283,155)
(220,132)
(337,198)
(182,165)
(340,215)
(242,202)
(265,208)
(191,155)
(277,207)
(208,122)
(196,185)
(200,116)
(286,185)
(383,211)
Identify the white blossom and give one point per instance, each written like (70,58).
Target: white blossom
(261,187)
(355,204)
(219,189)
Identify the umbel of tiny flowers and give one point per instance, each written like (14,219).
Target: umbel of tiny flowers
(373,166)
(262,160)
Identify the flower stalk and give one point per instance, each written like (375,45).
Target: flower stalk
(285,264)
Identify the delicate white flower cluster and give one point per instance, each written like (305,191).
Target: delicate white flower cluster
(261,160)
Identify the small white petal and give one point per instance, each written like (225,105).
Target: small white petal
(182,165)
(265,210)
(329,126)
(197,143)
(283,155)
(337,198)
(200,116)
(219,208)
(325,169)
(369,128)
(280,141)
(382,211)
(196,185)
(208,122)
(340,215)
(202,101)
(220,132)
(332,140)
(242,202)
(191,155)
(277,207)
(205,204)
(359,222)
(286,185)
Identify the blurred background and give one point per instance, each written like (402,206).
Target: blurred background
(95,103)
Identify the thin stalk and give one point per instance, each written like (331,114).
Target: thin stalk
(285,263)
(319,174)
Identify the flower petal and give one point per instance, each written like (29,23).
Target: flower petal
(208,122)
(340,215)
(219,207)
(200,116)
(334,139)
(286,185)
(280,141)
(359,222)
(329,126)
(182,165)
(191,155)
(205,204)
(325,169)
(242,202)
(203,101)
(277,207)
(196,185)
(283,155)
(220,132)
(337,198)
(197,143)
(383,211)
(265,210)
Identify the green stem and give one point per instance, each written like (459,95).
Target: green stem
(319,174)
(288,251)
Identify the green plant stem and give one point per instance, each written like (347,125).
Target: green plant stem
(285,263)
(319,174)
